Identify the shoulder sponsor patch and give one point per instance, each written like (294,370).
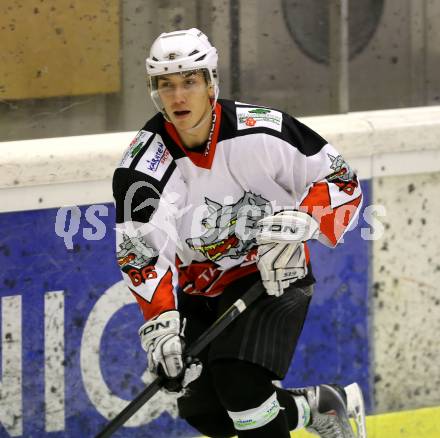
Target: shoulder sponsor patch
(135,146)
(155,160)
(259,117)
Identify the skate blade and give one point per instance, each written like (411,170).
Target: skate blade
(356,408)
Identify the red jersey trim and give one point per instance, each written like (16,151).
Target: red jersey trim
(206,158)
(329,218)
(205,278)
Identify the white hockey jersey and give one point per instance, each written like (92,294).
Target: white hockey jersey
(185,218)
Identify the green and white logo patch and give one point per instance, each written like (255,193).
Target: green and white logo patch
(259,117)
(135,146)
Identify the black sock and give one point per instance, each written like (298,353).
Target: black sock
(290,409)
(215,424)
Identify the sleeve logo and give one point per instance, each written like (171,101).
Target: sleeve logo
(155,160)
(135,146)
(343,176)
(137,259)
(160,156)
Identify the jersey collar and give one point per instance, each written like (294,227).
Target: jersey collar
(206,158)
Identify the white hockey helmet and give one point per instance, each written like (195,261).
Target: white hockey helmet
(181,51)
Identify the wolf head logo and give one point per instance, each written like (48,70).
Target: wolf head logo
(343,176)
(134,252)
(230,228)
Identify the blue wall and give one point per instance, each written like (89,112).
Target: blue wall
(334,346)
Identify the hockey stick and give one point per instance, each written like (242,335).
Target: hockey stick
(202,342)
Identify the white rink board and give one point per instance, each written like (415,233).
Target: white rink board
(376,143)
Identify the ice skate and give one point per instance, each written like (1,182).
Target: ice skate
(331,407)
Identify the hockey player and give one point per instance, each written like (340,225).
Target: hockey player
(212,197)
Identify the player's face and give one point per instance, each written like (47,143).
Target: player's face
(185,97)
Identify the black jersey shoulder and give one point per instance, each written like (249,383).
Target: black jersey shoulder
(145,169)
(240,119)
(155,123)
(132,189)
